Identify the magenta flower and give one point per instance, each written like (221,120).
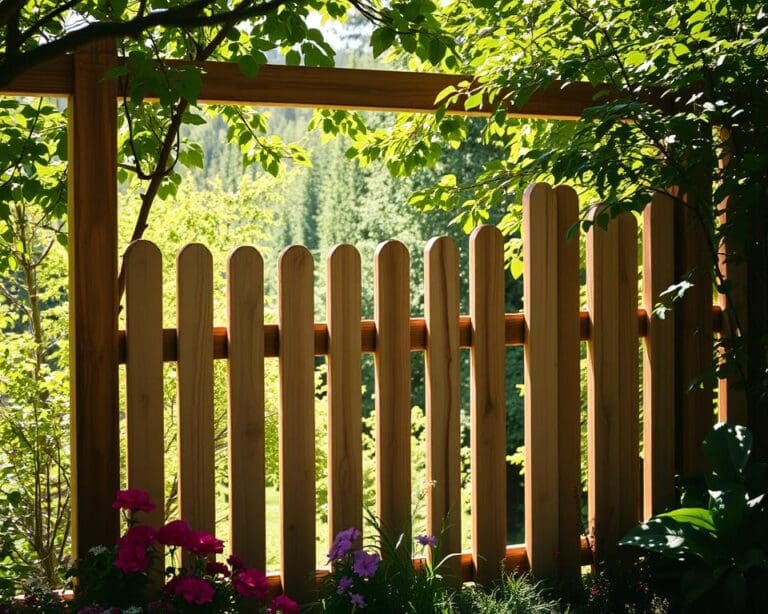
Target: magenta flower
(345,583)
(427,540)
(343,543)
(133,499)
(132,557)
(176,533)
(203,544)
(138,534)
(357,600)
(193,590)
(235,562)
(214,568)
(365,565)
(251,582)
(283,604)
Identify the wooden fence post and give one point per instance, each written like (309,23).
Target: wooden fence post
(693,343)
(487,403)
(95,449)
(658,358)
(552,405)
(612,383)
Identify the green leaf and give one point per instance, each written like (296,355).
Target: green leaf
(727,449)
(381,40)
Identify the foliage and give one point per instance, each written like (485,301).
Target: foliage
(515,594)
(719,536)
(383,579)
(122,576)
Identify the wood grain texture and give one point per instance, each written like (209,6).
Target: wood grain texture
(487,408)
(245,427)
(541,397)
(392,360)
(337,88)
(693,344)
(443,406)
(569,386)
(194,391)
(296,422)
(732,395)
(514,335)
(345,450)
(93,353)
(612,384)
(145,453)
(658,358)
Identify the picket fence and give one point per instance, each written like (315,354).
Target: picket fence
(622,487)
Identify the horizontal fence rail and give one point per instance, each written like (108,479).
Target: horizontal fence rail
(622,486)
(514,335)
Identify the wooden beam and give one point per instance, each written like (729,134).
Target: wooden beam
(93,299)
(333,88)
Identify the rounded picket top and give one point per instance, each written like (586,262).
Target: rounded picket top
(440,244)
(245,258)
(295,256)
(343,253)
(194,254)
(142,249)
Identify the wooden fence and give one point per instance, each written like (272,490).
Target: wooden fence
(622,488)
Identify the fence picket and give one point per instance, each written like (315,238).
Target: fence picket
(612,383)
(345,452)
(393,386)
(144,374)
(245,428)
(195,387)
(441,311)
(297,424)
(488,411)
(658,358)
(552,421)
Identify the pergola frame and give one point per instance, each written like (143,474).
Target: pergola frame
(93,245)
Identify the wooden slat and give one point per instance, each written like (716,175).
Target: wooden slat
(658,358)
(245,345)
(693,345)
(345,451)
(732,394)
(194,309)
(92,217)
(569,386)
(540,255)
(297,423)
(144,374)
(612,383)
(487,404)
(393,387)
(552,405)
(514,335)
(441,308)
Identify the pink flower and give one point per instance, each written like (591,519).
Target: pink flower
(203,543)
(132,557)
(357,600)
(365,565)
(138,534)
(176,533)
(215,568)
(235,562)
(427,540)
(284,604)
(251,582)
(133,499)
(193,590)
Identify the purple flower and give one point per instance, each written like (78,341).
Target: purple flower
(427,540)
(343,543)
(357,600)
(345,582)
(365,564)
